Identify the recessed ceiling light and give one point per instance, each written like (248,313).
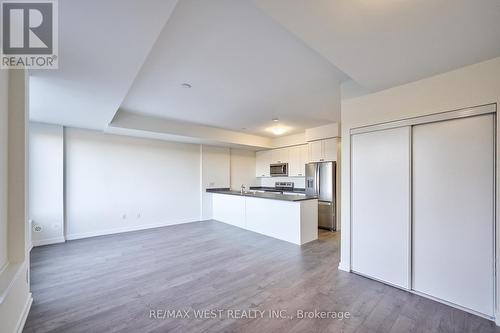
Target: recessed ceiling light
(276,119)
(186,85)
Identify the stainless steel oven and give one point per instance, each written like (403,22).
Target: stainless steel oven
(279,170)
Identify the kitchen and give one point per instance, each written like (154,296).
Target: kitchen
(303,197)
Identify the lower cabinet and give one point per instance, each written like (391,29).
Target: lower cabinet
(229,209)
(292,221)
(422,209)
(274,218)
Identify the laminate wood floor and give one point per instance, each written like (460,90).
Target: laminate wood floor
(112,283)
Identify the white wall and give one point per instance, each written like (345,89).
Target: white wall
(4,76)
(46,186)
(17,165)
(116,183)
(289,140)
(326,131)
(243,169)
(133,124)
(351,89)
(466,87)
(215,173)
(15,298)
(322,132)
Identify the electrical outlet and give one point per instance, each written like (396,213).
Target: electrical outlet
(37,228)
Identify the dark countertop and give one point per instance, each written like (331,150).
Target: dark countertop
(266,195)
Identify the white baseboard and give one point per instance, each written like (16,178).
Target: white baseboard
(10,273)
(128,229)
(453,305)
(24,315)
(344,268)
(49,241)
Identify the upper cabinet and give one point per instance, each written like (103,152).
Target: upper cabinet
(323,150)
(330,149)
(297,157)
(298,160)
(315,151)
(263,160)
(281,155)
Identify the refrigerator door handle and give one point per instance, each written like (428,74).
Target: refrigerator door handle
(318,188)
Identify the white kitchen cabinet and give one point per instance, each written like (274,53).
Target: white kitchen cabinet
(263,161)
(453,212)
(229,209)
(381,205)
(296,157)
(280,155)
(330,149)
(323,150)
(315,151)
(291,221)
(304,159)
(298,160)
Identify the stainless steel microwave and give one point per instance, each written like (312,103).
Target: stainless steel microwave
(279,170)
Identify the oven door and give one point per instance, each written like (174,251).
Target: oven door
(279,170)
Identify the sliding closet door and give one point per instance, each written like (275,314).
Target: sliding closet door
(380,205)
(453,186)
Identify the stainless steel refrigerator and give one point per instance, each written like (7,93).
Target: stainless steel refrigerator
(320,181)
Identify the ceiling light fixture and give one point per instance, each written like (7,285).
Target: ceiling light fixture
(186,85)
(278,130)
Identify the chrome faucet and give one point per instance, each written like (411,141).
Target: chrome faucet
(243,188)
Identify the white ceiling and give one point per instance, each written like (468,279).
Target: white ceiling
(385,43)
(102,45)
(151,127)
(244,68)
(250,60)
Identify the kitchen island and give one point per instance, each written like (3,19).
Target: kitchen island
(289,217)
